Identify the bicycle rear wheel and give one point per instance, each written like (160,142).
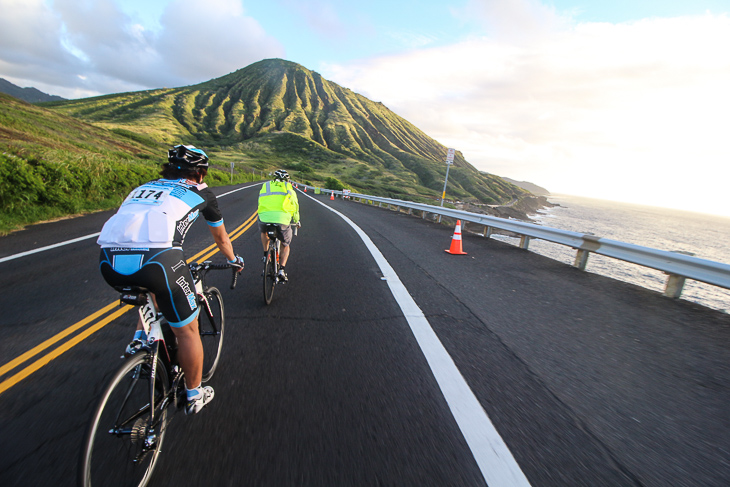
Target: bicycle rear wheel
(269,276)
(212,325)
(122,444)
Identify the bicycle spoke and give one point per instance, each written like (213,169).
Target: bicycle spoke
(122,444)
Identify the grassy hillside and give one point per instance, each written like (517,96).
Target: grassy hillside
(52,165)
(277,113)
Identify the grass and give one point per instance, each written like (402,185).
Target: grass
(53,166)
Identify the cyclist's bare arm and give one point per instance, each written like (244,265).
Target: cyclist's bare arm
(223,242)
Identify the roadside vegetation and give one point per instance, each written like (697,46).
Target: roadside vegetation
(53,166)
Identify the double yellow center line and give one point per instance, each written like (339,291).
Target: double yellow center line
(6,384)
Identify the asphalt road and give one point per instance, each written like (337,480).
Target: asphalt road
(589,381)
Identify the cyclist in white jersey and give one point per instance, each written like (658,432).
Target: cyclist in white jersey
(141,245)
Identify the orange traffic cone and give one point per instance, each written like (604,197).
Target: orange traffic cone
(332,196)
(456,241)
(305,189)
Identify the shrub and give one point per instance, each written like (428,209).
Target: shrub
(335,184)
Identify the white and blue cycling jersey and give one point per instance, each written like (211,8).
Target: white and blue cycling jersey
(159,214)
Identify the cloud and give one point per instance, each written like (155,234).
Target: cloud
(600,109)
(30,42)
(320,16)
(202,39)
(84,47)
(513,20)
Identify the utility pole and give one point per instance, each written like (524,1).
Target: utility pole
(449,162)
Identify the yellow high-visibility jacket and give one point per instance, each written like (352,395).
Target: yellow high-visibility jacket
(278,203)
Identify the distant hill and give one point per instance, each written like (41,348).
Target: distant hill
(31,95)
(277,113)
(532,188)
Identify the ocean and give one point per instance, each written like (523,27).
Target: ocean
(702,235)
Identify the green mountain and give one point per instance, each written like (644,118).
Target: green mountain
(277,113)
(30,95)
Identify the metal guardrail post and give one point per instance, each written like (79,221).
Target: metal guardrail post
(591,243)
(675,285)
(524,242)
(581,259)
(487,231)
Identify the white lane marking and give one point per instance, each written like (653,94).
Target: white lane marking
(60,244)
(41,249)
(494,459)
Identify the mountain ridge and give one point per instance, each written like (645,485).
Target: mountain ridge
(281,108)
(531,187)
(31,95)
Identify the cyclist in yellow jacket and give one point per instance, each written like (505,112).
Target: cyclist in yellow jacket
(278,204)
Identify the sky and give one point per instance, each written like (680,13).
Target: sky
(625,100)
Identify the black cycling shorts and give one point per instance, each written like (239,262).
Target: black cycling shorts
(162,271)
(283,232)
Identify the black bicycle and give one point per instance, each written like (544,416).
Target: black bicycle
(124,438)
(271,261)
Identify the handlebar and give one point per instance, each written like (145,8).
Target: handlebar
(197,267)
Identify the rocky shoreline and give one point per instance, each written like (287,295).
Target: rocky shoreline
(519,210)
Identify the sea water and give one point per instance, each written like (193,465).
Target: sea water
(702,235)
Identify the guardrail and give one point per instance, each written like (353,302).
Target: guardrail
(677,266)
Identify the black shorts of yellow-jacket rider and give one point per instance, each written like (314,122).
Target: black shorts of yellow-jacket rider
(283,232)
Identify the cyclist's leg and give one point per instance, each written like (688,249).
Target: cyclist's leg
(190,353)
(285,235)
(264,236)
(284,255)
(169,278)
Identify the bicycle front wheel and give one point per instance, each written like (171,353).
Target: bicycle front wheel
(212,325)
(269,276)
(123,441)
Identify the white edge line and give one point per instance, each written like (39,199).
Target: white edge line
(494,459)
(23,254)
(237,190)
(60,244)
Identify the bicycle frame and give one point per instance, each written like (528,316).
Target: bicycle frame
(152,324)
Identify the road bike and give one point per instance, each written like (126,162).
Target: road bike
(271,261)
(125,435)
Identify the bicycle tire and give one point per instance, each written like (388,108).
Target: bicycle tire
(212,323)
(269,276)
(116,451)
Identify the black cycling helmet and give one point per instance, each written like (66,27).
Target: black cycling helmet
(281,175)
(187,157)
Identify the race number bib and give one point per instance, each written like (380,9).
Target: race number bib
(148,195)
